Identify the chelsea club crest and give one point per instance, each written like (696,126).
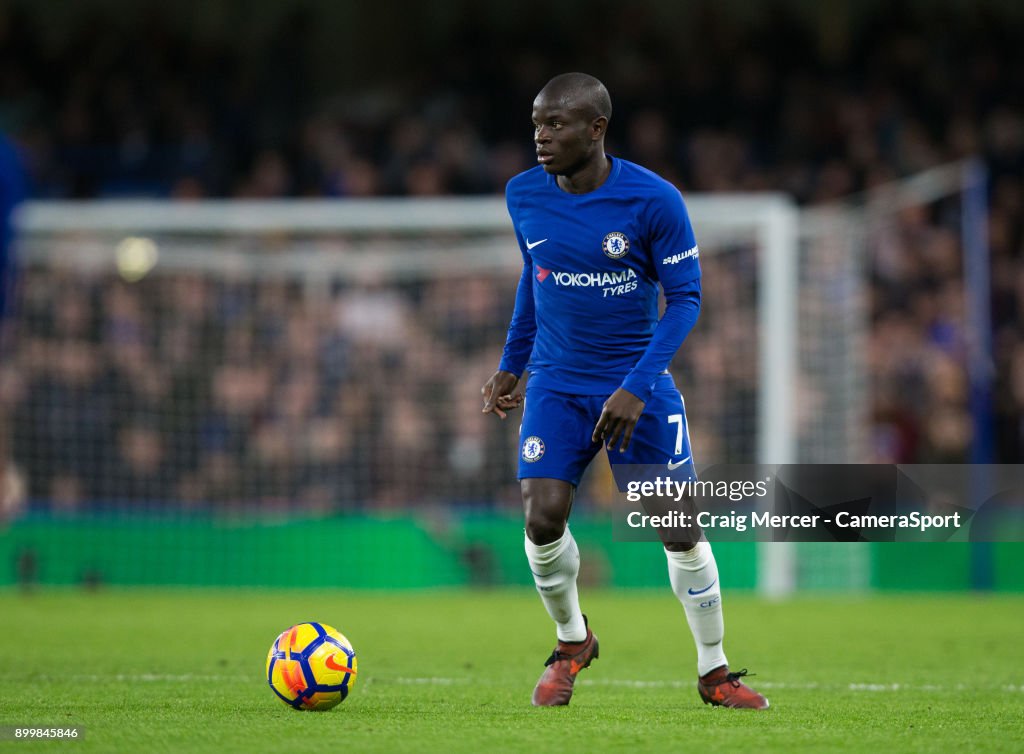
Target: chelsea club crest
(615,245)
(533,449)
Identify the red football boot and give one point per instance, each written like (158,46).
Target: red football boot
(555,685)
(722,688)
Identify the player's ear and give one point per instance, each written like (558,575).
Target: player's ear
(598,127)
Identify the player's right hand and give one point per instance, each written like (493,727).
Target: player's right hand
(497,393)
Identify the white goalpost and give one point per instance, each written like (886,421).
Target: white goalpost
(327,337)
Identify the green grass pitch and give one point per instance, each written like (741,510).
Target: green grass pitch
(182,671)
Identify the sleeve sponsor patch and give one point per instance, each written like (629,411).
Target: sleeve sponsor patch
(688,254)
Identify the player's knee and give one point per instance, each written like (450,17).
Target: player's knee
(544,523)
(544,530)
(546,505)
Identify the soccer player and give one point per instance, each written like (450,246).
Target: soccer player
(597,235)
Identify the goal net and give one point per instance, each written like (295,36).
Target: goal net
(893,328)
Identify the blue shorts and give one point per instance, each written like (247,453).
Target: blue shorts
(555,437)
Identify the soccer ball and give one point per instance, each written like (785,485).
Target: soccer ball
(311,666)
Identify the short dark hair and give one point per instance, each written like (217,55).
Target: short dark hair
(580,91)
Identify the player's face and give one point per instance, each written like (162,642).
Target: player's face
(565,139)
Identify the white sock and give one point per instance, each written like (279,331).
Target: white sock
(694,578)
(555,567)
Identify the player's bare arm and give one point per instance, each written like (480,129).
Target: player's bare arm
(498,396)
(618,419)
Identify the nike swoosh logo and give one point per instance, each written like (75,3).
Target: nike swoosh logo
(535,243)
(333,665)
(677,464)
(701,591)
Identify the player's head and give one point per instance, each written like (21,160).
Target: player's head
(570,118)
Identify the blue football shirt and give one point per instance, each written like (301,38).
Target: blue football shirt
(586,314)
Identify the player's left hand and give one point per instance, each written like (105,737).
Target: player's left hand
(618,419)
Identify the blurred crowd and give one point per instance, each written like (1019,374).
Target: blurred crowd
(190,388)
(819,104)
